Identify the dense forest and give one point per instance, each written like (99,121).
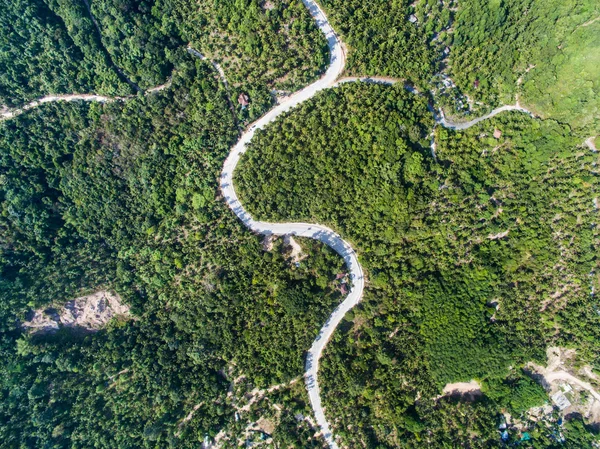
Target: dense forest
(124,196)
(42,52)
(545,53)
(260,45)
(477,259)
(120,47)
(479,253)
(380,39)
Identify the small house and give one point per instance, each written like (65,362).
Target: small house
(413,19)
(244,100)
(497,133)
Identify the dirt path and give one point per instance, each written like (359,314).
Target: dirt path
(11,113)
(587,24)
(159,88)
(462,387)
(563,375)
(8,113)
(217,67)
(222,76)
(466,125)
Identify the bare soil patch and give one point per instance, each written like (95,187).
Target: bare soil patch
(296,254)
(561,379)
(465,390)
(91,312)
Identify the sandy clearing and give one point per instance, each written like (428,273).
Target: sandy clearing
(296,253)
(555,375)
(91,312)
(462,387)
(590,142)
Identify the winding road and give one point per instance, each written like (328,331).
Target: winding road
(315,231)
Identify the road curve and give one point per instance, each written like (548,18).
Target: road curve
(315,231)
(440,117)
(465,125)
(322,233)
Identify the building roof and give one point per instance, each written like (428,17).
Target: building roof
(243,99)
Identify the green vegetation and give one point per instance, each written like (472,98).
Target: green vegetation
(273,42)
(381,40)
(124,196)
(57,46)
(264,47)
(516,394)
(476,261)
(45,52)
(477,257)
(291,426)
(139,37)
(495,42)
(544,51)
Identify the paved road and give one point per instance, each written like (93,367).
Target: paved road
(322,233)
(315,231)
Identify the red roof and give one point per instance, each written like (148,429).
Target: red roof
(243,99)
